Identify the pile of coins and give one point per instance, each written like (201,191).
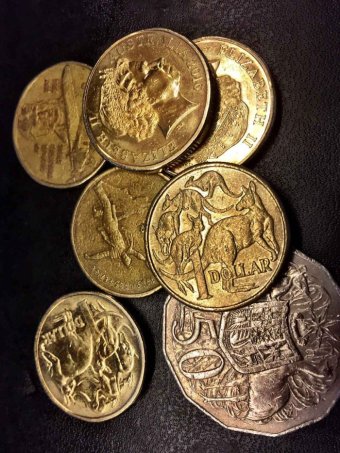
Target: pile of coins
(251,337)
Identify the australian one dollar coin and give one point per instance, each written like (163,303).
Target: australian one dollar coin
(48,131)
(108,231)
(245,104)
(268,368)
(89,356)
(216,236)
(147,99)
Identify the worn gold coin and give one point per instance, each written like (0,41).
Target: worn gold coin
(147,99)
(108,231)
(245,107)
(216,236)
(89,356)
(48,130)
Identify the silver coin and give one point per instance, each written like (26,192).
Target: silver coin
(268,368)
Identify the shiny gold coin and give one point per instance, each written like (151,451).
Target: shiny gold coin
(89,356)
(48,130)
(147,99)
(216,236)
(108,231)
(246,104)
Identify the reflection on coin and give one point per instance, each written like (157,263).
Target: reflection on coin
(268,368)
(89,356)
(48,130)
(216,236)
(108,231)
(147,99)
(246,104)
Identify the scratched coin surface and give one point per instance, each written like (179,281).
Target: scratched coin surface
(108,231)
(245,105)
(269,368)
(89,356)
(48,130)
(147,99)
(216,236)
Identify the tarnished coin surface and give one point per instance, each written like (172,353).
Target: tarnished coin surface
(147,99)
(269,368)
(89,356)
(48,130)
(216,236)
(246,104)
(108,231)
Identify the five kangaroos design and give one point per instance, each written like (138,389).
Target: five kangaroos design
(227,237)
(119,241)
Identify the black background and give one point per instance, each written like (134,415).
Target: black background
(299,41)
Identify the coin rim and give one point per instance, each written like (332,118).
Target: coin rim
(196,134)
(272,96)
(92,280)
(286,233)
(15,132)
(54,400)
(262,433)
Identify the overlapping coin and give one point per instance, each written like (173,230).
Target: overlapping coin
(89,356)
(246,104)
(147,99)
(216,236)
(108,231)
(48,130)
(268,368)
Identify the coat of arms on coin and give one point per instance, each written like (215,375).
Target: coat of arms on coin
(227,240)
(48,131)
(89,356)
(108,231)
(147,99)
(268,368)
(245,104)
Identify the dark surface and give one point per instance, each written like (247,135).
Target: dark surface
(299,42)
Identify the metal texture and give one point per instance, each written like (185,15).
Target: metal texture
(108,231)
(89,356)
(269,368)
(245,104)
(147,99)
(48,130)
(216,236)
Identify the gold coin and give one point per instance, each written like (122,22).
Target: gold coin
(246,104)
(89,356)
(108,231)
(216,236)
(48,130)
(147,99)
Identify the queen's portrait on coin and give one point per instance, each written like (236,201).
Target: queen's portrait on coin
(137,97)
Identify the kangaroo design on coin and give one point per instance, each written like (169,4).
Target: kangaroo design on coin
(119,241)
(147,99)
(268,368)
(89,356)
(245,107)
(227,239)
(48,131)
(108,231)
